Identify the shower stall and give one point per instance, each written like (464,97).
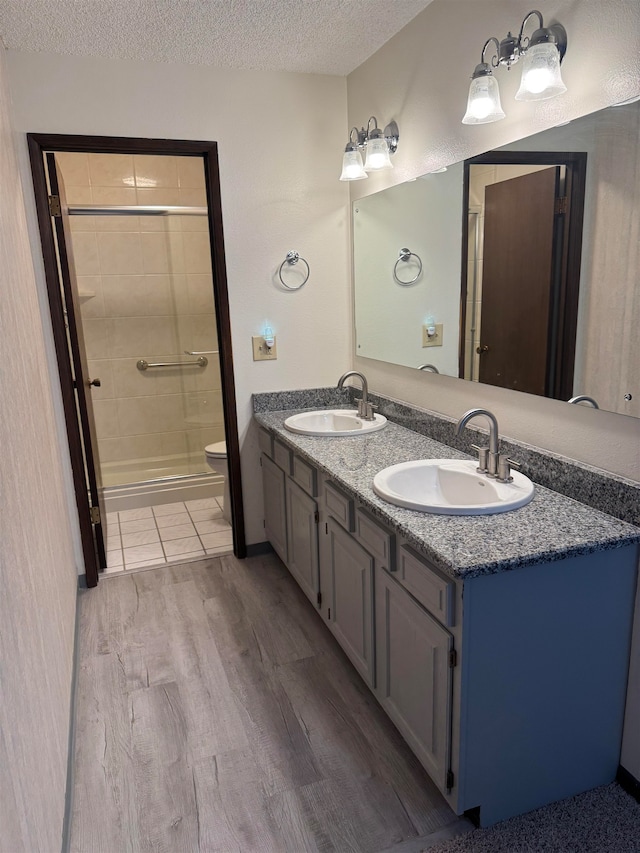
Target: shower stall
(140,242)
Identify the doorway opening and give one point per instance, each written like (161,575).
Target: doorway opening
(521,248)
(134,258)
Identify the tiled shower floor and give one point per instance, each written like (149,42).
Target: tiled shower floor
(167,533)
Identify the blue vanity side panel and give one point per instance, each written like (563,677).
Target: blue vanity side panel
(545,663)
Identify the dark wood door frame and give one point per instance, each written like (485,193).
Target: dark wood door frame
(39,144)
(78,359)
(566,309)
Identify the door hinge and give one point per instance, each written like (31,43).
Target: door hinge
(319,599)
(54,205)
(562,205)
(453,658)
(450,780)
(316,517)
(95,514)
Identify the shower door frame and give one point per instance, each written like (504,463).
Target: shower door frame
(41,143)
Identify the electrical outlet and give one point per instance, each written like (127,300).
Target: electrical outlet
(434,340)
(261,352)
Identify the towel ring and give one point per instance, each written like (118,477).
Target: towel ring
(405,255)
(291,259)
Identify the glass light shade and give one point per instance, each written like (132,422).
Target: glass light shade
(377,155)
(352,168)
(483,105)
(541,76)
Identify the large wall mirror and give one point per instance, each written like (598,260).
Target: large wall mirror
(519,268)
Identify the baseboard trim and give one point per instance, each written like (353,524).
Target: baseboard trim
(71,746)
(259,549)
(628,782)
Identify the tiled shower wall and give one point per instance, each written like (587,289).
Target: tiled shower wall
(146,293)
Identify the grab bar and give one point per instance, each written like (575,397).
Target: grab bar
(142,364)
(136,210)
(201,352)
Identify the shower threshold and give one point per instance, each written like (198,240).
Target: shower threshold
(163,490)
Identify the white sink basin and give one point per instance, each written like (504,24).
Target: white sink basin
(450,487)
(338,422)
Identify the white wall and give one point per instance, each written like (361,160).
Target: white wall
(38,575)
(280,138)
(415,81)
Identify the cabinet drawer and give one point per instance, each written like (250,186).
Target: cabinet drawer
(379,542)
(265,442)
(305,476)
(282,456)
(433,589)
(340,506)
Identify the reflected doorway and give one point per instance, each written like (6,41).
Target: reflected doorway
(522,241)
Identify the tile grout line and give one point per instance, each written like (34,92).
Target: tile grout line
(166,559)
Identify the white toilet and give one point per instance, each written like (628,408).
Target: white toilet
(216,456)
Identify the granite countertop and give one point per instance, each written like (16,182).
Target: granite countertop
(551,527)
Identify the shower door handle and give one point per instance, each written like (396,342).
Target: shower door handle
(95,382)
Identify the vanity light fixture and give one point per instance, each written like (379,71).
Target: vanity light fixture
(377,143)
(541,79)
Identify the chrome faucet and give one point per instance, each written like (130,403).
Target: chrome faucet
(489,460)
(431,367)
(582,398)
(365,409)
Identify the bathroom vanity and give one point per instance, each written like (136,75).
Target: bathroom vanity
(498,644)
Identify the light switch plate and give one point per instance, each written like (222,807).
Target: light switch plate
(260,350)
(434,340)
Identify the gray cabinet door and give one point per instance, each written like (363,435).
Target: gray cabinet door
(302,540)
(351,599)
(414,675)
(275,510)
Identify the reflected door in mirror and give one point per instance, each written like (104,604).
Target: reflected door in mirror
(518,282)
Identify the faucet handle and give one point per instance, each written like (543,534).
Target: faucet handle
(365,409)
(504,468)
(483,457)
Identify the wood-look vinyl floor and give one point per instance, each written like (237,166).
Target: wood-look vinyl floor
(216,713)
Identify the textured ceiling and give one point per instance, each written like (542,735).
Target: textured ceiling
(316,36)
